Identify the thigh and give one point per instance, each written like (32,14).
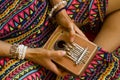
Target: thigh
(113,5)
(109,36)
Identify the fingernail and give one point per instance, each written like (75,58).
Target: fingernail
(63,53)
(72,39)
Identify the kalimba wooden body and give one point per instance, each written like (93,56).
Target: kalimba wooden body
(73,61)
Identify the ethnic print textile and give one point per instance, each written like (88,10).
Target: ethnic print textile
(26,22)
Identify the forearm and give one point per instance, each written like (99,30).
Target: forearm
(4,49)
(54,2)
(62,17)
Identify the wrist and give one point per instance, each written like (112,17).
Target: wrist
(63,17)
(57,7)
(29,52)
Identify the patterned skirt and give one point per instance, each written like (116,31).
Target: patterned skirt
(26,22)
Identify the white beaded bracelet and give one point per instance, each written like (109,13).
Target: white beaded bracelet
(21,51)
(56,6)
(18,51)
(24,52)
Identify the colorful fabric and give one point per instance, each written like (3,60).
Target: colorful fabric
(26,22)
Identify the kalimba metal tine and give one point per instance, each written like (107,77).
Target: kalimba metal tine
(66,47)
(78,52)
(71,57)
(69,45)
(80,57)
(76,45)
(73,51)
(80,47)
(76,49)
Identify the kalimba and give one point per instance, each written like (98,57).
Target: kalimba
(79,53)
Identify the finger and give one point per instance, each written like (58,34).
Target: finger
(51,66)
(64,73)
(80,33)
(57,54)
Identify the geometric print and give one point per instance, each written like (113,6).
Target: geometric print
(19,69)
(26,22)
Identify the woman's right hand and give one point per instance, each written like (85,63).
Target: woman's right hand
(44,57)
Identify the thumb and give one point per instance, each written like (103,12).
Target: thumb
(58,54)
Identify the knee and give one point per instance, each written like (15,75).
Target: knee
(113,5)
(113,20)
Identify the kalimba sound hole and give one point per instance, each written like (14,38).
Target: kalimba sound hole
(59,45)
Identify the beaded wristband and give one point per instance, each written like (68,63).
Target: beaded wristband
(18,51)
(55,7)
(22,51)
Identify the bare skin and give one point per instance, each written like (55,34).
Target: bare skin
(113,6)
(109,36)
(43,57)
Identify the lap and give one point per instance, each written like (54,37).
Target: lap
(23,70)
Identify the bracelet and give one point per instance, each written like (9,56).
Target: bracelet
(55,7)
(22,51)
(18,51)
(13,51)
(58,11)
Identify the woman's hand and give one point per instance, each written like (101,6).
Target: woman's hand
(64,20)
(44,57)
